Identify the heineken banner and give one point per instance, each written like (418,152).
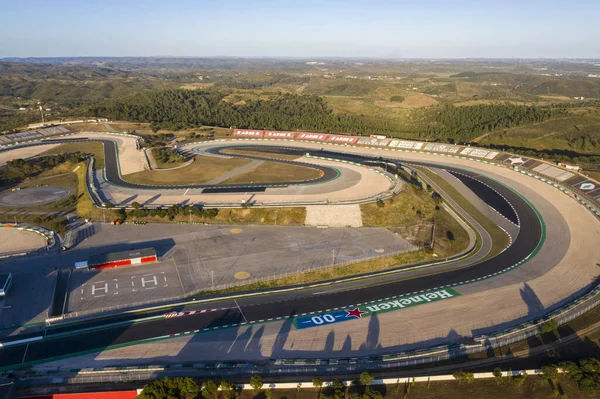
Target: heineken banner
(373,308)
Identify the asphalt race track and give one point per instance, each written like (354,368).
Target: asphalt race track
(113,175)
(285,305)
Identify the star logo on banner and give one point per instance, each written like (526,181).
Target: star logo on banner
(356,312)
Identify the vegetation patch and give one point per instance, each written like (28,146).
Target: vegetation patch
(499,237)
(273,172)
(93,149)
(167,158)
(197,214)
(259,153)
(181,109)
(17,170)
(202,170)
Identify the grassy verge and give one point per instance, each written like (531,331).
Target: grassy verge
(498,236)
(262,154)
(250,216)
(166,158)
(202,170)
(373,265)
(271,172)
(96,150)
(412,204)
(85,207)
(86,127)
(412,214)
(450,237)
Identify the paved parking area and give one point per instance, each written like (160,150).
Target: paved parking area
(198,258)
(106,288)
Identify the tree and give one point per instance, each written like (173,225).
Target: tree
(338,389)
(256,382)
(550,372)
(550,326)
(171,388)
(228,389)
(520,379)
(226,386)
(366,379)
(135,205)
(463,376)
(497,375)
(109,205)
(586,374)
(210,390)
(317,383)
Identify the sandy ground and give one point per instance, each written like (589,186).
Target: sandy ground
(334,215)
(13,240)
(543,283)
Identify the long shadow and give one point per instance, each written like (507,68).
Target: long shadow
(534,305)
(151,200)
(128,200)
(372,340)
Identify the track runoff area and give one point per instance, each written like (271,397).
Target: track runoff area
(517,197)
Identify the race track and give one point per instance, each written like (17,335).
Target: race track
(540,253)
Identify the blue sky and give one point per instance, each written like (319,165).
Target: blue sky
(368,28)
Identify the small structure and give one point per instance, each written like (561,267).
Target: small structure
(125,258)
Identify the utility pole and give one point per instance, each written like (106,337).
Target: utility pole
(212,280)
(190,216)
(104,214)
(42,112)
(433,236)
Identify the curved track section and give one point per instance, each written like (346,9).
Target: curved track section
(301,302)
(285,305)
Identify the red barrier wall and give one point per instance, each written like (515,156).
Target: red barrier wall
(113,264)
(279,135)
(312,136)
(343,139)
(247,133)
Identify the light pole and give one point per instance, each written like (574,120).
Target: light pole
(212,280)
(190,216)
(332,257)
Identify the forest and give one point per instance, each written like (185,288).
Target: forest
(462,124)
(179,109)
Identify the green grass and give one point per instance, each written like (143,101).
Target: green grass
(202,170)
(273,172)
(499,237)
(409,206)
(173,160)
(448,244)
(241,216)
(96,150)
(262,154)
